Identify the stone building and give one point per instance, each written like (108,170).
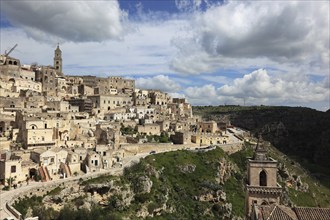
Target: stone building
(263,193)
(47,76)
(262,187)
(180,108)
(149,129)
(181,138)
(209,138)
(207,126)
(12,168)
(93,162)
(104,103)
(84,104)
(141,97)
(58,60)
(159,98)
(9,67)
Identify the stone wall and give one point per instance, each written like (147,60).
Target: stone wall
(160,147)
(146,148)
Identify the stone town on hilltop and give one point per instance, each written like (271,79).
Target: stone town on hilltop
(54,126)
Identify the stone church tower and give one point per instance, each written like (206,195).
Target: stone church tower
(262,187)
(58,60)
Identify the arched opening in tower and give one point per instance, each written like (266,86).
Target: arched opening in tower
(263,178)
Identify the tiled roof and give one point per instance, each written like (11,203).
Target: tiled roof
(265,211)
(312,213)
(275,212)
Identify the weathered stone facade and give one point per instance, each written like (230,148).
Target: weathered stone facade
(262,187)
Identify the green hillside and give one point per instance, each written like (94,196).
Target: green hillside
(301,133)
(175,185)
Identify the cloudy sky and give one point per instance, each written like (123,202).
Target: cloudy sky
(212,52)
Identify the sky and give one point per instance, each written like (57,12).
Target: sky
(211,52)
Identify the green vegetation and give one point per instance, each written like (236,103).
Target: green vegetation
(24,204)
(96,213)
(128,130)
(55,191)
(179,179)
(162,138)
(182,186)
(240,157)
(301,133)
(99,179)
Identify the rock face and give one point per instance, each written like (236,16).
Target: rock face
(225,170)
(143,185)
(99,188)
(188,168)
(215,197)
(224,210)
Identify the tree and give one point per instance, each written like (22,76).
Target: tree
(10,181)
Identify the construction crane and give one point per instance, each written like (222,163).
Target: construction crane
(11,50)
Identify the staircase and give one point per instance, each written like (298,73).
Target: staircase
(47,173)
(42,174)
(66,169)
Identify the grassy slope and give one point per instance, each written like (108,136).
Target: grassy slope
(182,187)
(305,138)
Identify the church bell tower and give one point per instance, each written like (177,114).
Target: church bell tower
(58,60)
(262,187)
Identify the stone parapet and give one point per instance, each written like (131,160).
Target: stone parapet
(264,189)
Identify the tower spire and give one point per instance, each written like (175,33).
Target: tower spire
(260,151)
(58,59)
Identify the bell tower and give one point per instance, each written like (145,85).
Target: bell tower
(58,60)
(262,187)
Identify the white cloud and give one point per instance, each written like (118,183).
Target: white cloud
(78,21)
(204,95)
(160,82)
(146,51)
(259,88)
(239,33)
(176,95)
(271,90)
(289,39)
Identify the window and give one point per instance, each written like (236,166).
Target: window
(13,169)
(263,178)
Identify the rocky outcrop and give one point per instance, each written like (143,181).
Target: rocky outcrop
(143,185)
(187,168)
(225,170)
(224,210)
(100,188)
(215,197)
